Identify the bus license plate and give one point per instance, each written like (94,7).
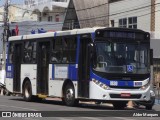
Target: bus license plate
(125,94)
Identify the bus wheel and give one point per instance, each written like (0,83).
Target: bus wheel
(27,91)
(69,95)
(148,107)
(119,105)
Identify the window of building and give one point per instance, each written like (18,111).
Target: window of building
(112,23)
(40,19)
(64,50)
(132,22)
(123,22)
(57,18)
(29,55)
(49,18)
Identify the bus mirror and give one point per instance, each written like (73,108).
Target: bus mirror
(151,56)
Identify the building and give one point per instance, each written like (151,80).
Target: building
(130,14)
(18,14)
(86,13)
(47,10)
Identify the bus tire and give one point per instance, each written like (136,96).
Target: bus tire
(69,96)
(148,107)
(119,105)
(27,91)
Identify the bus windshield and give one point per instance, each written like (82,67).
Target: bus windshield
(119,57)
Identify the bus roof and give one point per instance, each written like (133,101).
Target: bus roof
(69,32)
(52,34)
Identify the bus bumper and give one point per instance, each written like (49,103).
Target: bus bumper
(96,92)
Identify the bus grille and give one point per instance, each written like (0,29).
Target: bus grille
(137,96)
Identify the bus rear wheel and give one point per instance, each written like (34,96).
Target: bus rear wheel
(69,96)
(27,91)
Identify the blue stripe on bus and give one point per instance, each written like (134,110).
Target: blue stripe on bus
(52,71)
(72,72)
(78,46)
(107,82)
(93,35)
(55,34)
(9,70)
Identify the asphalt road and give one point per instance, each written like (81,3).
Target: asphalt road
(13,104)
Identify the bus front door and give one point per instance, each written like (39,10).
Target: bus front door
(83,69)
(17,66)
(43,67)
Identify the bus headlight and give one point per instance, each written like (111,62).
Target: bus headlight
(145,86)
(102,85)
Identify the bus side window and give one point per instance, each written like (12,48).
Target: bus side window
(11,52)
(56,55)
(64,50)
(29,52)
(69,53)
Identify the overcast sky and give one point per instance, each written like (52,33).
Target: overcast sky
(12,1)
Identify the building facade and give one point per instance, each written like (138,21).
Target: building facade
(47,10)
(18,14)
(130,14)
(86,13)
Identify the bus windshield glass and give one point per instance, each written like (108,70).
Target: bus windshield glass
(119,57)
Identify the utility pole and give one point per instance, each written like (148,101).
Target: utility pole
(5,38)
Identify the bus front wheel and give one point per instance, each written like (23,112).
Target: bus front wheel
(27,91)
(69,95)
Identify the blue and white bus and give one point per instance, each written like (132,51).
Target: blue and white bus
(90,64)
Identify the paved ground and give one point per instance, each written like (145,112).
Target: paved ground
(10,103)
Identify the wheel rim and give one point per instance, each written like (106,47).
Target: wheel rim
(69,94)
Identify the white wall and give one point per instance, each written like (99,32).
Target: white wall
(157,20)
(128,8)
(45,18)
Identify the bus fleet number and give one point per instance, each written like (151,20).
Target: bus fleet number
(113,83)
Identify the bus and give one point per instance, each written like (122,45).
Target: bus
(90,64)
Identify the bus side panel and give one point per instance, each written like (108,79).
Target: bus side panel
(9,84)
(56,84)
(29,71)
(73,75)
(96,92)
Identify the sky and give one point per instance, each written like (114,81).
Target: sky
(12,1)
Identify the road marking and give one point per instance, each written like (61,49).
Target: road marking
(19,107)
(122,118)
(91,118)
(31,119)
(64,119)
